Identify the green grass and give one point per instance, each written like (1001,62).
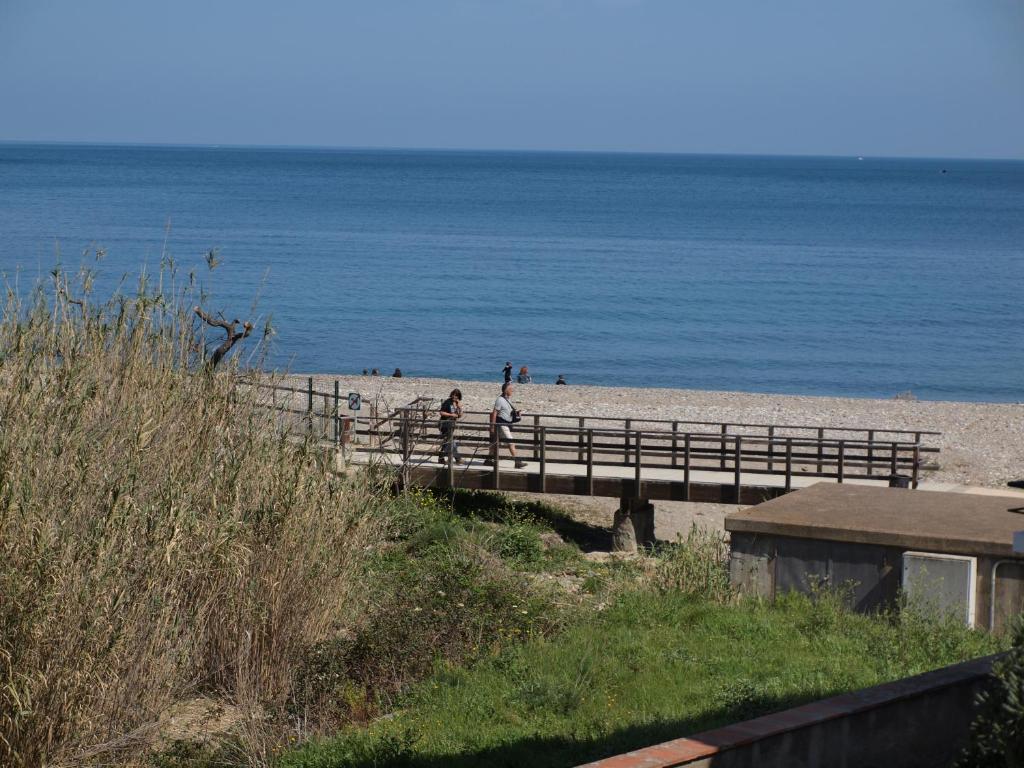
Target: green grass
(651,667)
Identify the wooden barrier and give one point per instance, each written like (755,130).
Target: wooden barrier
(741,453)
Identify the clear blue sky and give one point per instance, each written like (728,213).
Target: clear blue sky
(870,77)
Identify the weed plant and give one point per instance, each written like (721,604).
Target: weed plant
(697,566)
(159,538)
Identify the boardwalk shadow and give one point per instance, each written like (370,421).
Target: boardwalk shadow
(496,507)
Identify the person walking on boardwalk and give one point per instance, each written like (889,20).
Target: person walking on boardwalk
(451,412)
(508,371)
(503,416)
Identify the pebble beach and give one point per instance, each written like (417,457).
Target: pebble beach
(981,443)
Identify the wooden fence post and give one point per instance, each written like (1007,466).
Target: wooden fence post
(543,462)
(686,466)
(789,464)
(639,463)
(725,430)
(738,464)
(337,412)
(625,452)
(590,462)
(871,452)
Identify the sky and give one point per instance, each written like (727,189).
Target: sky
(933,78)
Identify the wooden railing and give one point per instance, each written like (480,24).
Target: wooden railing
(409,435)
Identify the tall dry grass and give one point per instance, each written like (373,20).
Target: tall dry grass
(158,538)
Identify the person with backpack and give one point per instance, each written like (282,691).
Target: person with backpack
(503,416)
(451,412)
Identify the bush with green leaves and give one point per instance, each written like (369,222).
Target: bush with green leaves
(997,733)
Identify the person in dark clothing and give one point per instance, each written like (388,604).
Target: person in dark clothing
(451,412)
(561,380)
(508,372)
(397,374)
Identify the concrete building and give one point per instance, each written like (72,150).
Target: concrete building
(952,550)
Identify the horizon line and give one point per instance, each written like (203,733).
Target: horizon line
(464,150)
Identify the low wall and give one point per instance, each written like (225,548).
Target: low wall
(916,722)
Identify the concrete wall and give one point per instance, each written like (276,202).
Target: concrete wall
(917,722)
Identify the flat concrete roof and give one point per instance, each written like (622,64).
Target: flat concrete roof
(931,521)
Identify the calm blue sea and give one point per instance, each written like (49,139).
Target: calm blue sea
(833,276)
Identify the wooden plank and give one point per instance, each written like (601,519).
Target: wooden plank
(841,466)
(536,426)
(771,448)
(625,451)
(821,450)
(581,427)
(675,443)
(655,490)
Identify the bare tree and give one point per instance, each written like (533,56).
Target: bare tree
(233,335)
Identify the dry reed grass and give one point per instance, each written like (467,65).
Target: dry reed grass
(158,537)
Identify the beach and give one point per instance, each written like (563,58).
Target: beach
(981,444)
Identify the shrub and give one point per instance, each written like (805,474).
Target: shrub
(997,733)
(697,566)
(158,537)
(440,595)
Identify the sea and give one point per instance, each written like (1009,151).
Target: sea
(846,276)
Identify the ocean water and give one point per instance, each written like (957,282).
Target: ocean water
(834,276)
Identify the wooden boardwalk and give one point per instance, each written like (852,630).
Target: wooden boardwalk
(646,459)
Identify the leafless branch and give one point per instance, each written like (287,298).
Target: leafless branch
(233,336)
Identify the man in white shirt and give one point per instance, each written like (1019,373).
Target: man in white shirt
(503,415)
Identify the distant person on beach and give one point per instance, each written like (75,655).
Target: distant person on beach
(397,374)
(503,416)
(375,372)
(561,379)
(365,372)
(451,412)
(524,376)
(508,372)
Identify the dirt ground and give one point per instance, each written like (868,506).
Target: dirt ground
(671,518)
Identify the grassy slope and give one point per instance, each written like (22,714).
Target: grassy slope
(653,666)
